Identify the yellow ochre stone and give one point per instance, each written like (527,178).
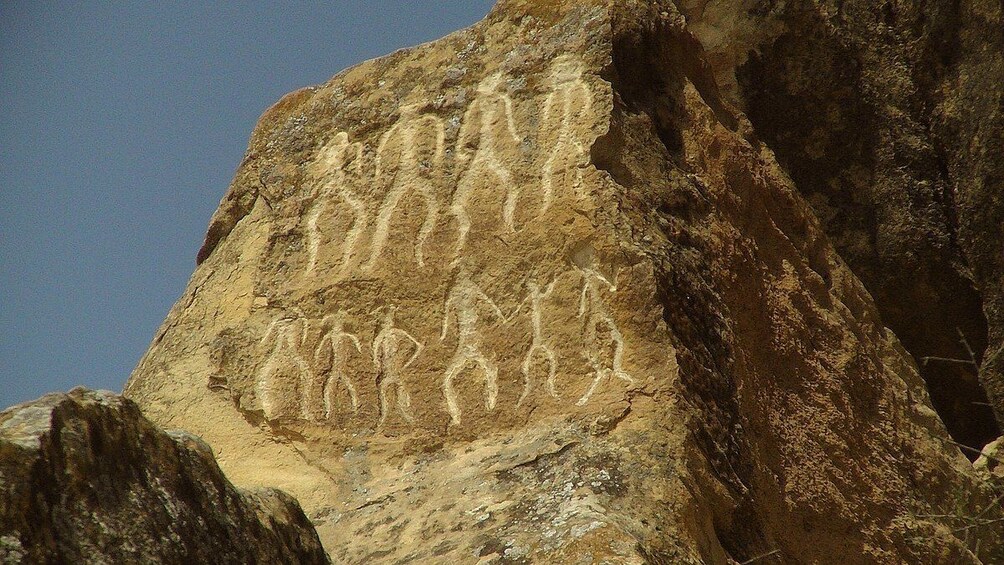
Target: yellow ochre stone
(535,292)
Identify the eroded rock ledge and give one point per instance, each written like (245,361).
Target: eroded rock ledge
(85,478)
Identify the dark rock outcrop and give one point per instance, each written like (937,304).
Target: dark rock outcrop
(85,478)
(889,117)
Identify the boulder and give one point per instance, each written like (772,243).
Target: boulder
(542,291)
(85,478)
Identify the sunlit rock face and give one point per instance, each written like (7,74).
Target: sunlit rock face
(538,292)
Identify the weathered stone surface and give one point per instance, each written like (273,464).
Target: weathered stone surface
(538,292)
(969,123)
(991,461)
(85,478)
(889,117)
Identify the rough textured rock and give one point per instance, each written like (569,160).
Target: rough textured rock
(888,116)
(991,460)
(540,292)
(85,478)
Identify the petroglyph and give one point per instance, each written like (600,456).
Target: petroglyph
(487,128)
(390,349)
(332,342)
(413,173)
(463,302)
(570,97)
(591,306)
(337,163)
(290,333)
(538,346)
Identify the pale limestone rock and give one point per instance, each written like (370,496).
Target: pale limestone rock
(991,461)
(535,292)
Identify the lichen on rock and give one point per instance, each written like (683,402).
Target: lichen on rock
(85,478)
(546,283)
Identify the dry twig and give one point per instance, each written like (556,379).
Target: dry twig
(761,556)
(965,447)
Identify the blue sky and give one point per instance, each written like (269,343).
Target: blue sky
(121,124)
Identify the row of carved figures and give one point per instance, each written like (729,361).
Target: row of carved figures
(488,127)
(394,350)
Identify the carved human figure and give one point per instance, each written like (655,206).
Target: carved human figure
(463,304)
(391,357)
(416,143)
(338,164)
(538,347)
(287,335)
(488,129)
(597,317)
(566,110)
(331,344)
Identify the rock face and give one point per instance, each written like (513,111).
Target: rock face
(85,478)
(889,117)
(541,292)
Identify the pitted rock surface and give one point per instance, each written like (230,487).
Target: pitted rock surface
(539,292)
(888,116)
(85,478)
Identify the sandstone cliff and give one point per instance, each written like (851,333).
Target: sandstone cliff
(541,291)
(84,478)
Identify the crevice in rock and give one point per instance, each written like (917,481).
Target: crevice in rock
(650,72)
(881,187)
(650,69)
